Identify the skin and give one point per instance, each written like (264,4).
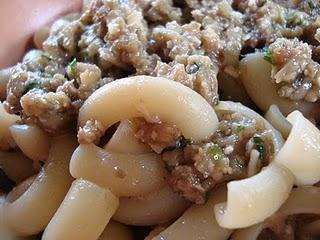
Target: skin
(20,18)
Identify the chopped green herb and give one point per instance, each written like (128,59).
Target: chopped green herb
(47,56)
(72,68)
(240,128)
(96,59)
(180,144)
(268,56)
(216,152)
(258,141)
(311,5)
(183,142)
(30,85)
(215,101)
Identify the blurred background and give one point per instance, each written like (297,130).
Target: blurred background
(20,18)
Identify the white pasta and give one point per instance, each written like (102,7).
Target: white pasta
(114,124)
(40,36)
(16,166)
(116,231)
(254,199)
(38,148)
(302,200)
(29,212)
(275,117)
(4,78)
(124,141)
(83,214)
(251,233)
(6,120)
(198,222)
(123,174)
(152,98)
(155,208)
(301,151)
(256,72)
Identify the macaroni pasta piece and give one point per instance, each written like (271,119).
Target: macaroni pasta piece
(83,214)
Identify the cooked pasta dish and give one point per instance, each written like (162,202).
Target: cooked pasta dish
(165,120)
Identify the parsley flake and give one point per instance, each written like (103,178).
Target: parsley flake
(72,68)
(268,56)
(216,152)
(258,141)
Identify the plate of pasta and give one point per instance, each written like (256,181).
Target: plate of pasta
(160,120)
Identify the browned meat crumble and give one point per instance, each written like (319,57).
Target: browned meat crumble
(192,42)
(294,71)
(195,168)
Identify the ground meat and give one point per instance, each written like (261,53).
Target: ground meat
(189,183)
(294,72)
(196,71)
(163,11)
(91,132)
(239,148)
(51,111)
(188,41)
(158,135)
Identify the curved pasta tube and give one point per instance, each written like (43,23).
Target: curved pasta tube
(38,148)
(123,174)
(40,36)
(275,117)
(83,214)
(251,233)
(255,74)
(301,151)
(151,97)
(4,79)
(31,212)
(6,120)
(276,137)
(302,200)
(124,141)
(254,199)
(16,166)
(116,231)
(152,209)
(198,223)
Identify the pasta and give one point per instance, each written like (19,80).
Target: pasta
(85,202)
(254,65)
(16,165)
(145,97)
(144,120)
(4,78)
(115,230)
(301,150)
(123,174)
(49,187)
(6,120)
(124,141)
(275,117)
(151,209)
(197,223)
(248,202)
(302,200)
(38,149)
